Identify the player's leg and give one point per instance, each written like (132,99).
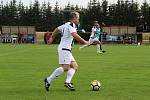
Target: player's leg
(70,74)
(98,46)
(101,47)
(64,65)
(55,74)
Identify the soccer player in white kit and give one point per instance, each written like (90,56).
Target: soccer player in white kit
(66,60)
(95,38)
(95,34)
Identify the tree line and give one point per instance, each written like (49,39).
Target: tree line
(45,17)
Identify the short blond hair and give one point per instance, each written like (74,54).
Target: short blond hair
(74,14)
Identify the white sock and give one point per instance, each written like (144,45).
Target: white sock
(55,74)
(98,48)
(70,75)
(83,46)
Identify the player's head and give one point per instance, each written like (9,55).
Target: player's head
(97,25)
(95,22)
(74,17)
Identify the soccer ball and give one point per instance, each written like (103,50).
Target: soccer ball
(95,85)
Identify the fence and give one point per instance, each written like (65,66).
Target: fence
(20,34)
(18,29)
(146,38)
(113,30)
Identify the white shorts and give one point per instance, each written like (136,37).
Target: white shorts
(92,40)
(65,57)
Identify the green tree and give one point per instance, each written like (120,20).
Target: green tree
(133,13)
(66,11)
(21,14)
(145,12)
(49,16)
(36,17)
(93,12)
(13,14)
(57,18)
(111,15)
(104,7)
(43,17)
(5,14)
(1,9)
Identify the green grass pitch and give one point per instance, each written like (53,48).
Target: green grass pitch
(124,72)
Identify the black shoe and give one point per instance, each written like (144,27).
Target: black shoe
(47,85)
(103,51)
(69,86)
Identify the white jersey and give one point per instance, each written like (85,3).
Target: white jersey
(93,28)
(93,32)
(66,30)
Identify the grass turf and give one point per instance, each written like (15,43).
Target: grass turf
(124,73)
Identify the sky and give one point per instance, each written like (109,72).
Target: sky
(63,3)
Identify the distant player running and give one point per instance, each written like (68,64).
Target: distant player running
(66,60)
(95,37)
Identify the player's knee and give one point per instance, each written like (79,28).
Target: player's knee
(75,67)
(65,67)
(97,42)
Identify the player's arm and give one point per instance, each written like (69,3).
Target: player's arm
(54,34)
(80,39)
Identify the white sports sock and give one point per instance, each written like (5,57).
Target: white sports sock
(70,75)
(83,46)
(55,74)
(98,48)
